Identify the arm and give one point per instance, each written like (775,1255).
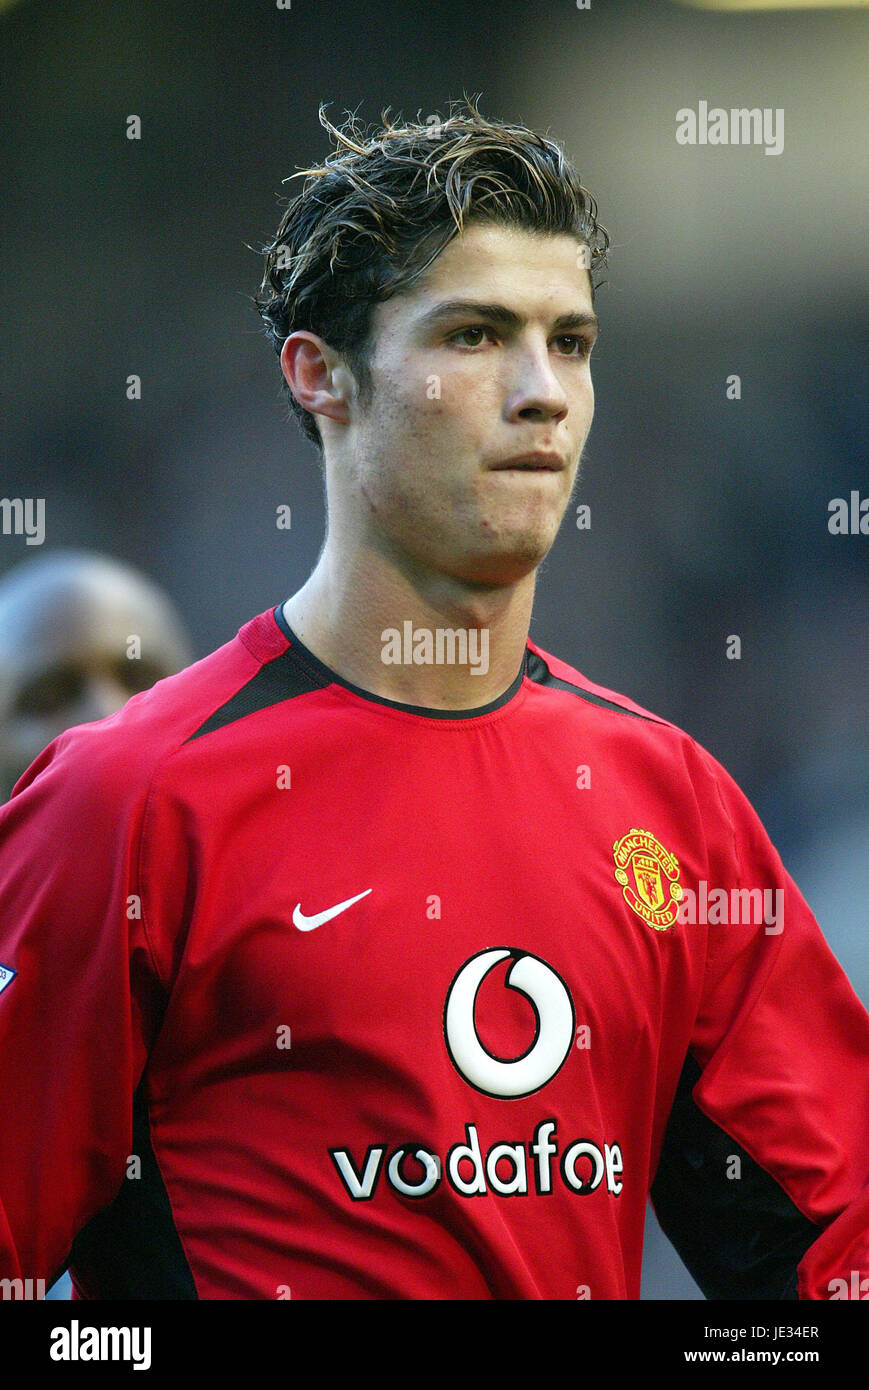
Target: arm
(763,1181)
(78,1017)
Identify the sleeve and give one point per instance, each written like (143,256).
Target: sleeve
(763,1180)
(80,997)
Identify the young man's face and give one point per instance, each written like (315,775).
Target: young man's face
(457,394)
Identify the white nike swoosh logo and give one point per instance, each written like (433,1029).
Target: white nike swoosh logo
(309,923)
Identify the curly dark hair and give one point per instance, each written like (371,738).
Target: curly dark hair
(367,225)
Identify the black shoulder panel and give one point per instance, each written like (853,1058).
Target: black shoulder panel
(537,671)
(131,1250)
(740,1237)
(282,678)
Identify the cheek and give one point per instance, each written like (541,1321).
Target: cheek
(410,403)
(427,394)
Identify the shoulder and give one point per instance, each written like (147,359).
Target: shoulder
(551,672)
(114,760)
(632,731)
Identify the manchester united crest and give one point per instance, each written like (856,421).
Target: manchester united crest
(649,876)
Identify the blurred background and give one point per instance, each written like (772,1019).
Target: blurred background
(708,515)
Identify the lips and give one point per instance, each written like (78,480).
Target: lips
(536,462)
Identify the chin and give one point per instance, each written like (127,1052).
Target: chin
(505,568)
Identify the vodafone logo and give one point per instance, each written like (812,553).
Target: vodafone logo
(508,1079)
(494,1167)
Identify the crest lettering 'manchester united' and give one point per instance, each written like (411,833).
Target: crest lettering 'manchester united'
(649,875)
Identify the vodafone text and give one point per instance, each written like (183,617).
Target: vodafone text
(415,1171)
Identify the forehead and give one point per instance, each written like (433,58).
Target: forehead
(531,272)
(80,619)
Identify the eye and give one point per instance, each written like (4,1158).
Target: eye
(463,332)
(584,345)
(138,675)
(51,692)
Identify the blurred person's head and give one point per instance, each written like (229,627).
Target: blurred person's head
(69,624)
(405,241)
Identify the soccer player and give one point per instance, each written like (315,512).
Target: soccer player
(381,954)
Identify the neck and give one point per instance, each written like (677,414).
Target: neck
(421,639)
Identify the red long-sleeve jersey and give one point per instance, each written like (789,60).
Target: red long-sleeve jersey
(308,993)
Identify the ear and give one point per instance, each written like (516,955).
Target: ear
(317,376)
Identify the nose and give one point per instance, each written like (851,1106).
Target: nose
(537,391)
(102,696)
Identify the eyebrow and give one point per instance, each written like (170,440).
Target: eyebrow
(502,317)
